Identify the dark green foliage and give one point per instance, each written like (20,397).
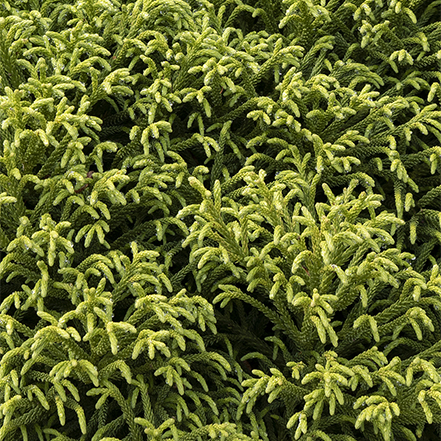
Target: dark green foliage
(220,220)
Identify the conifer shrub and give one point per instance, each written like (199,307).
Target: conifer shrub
(220,220)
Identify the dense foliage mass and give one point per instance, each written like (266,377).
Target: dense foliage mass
(220,220)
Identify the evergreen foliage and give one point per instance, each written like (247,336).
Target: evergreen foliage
(220,220)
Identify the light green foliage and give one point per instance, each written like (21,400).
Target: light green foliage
(220,220)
